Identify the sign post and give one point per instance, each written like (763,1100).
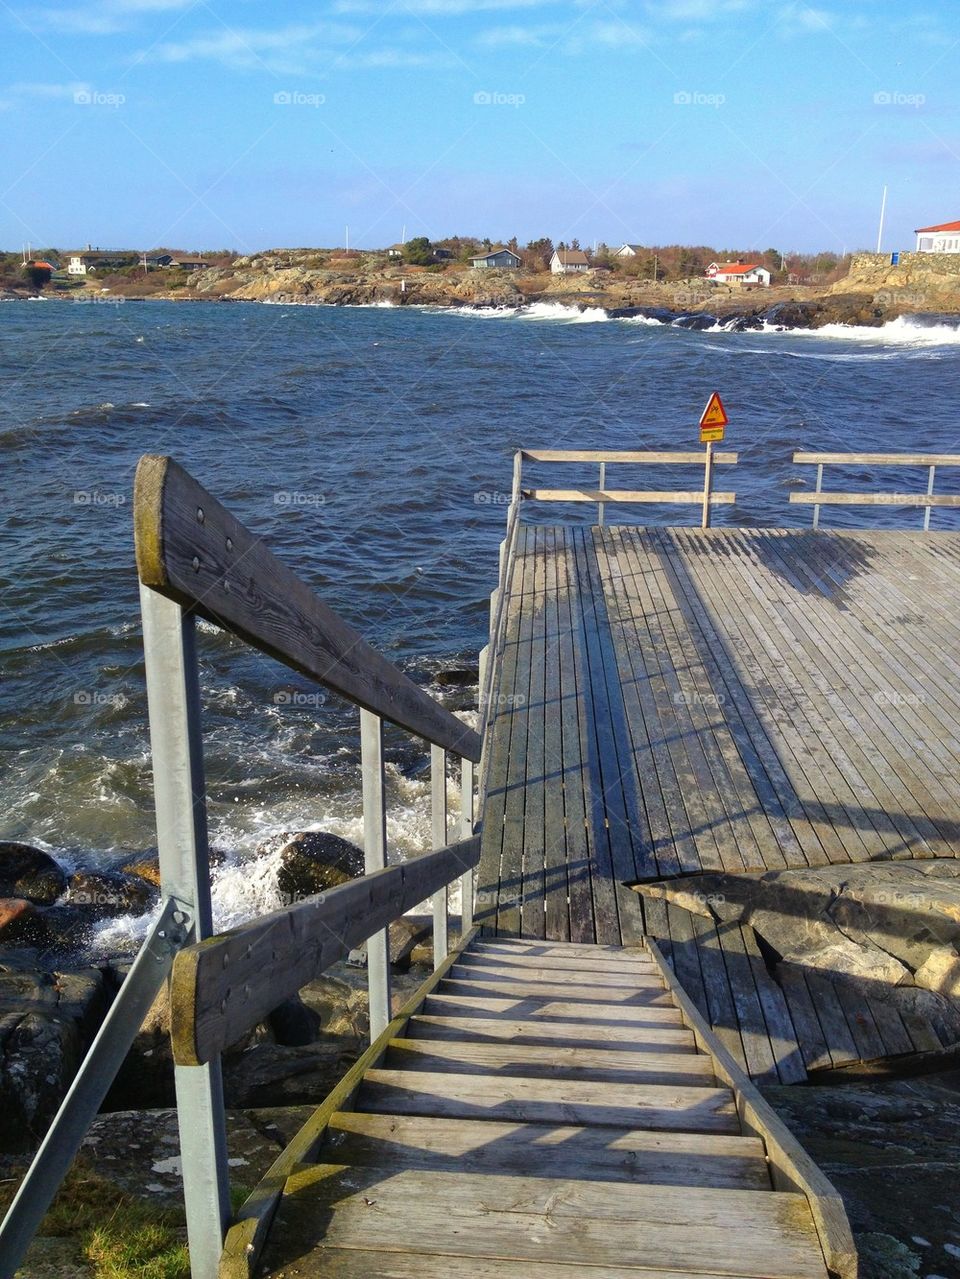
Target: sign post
(713,420)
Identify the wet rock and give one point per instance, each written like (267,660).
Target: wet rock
(39,1055)
(110,894)
(883,1257)
(147,865)
(274,1075)
(294,1024)
(456,678)
(404,935)
(312,862)
(20,923)
(29,873)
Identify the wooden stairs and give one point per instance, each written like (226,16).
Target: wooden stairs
(543,1111)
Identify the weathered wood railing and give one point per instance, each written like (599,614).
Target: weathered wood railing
(819,497)
(194,560)
(704,497)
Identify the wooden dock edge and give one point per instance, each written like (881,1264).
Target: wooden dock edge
(246,1237)
(791,1168)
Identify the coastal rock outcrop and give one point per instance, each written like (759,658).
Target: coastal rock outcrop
(29,873)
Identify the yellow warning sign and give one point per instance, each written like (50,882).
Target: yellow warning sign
(713,420)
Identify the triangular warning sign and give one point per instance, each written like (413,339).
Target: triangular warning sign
(714,414)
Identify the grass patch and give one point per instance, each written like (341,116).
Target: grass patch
(119,1237)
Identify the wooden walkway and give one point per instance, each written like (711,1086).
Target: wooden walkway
(671,701)
(548,1109)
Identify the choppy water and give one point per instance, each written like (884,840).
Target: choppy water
(372,448)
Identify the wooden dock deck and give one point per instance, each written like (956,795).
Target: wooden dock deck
(671,701)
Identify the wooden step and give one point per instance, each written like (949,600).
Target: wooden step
(515,1149)
(488,971)
(654,993)
(554,1062)
(557,950)
(658,1038)
(514,1097)
(537,1011)
(325,1262)
(695,1230)
(592,963)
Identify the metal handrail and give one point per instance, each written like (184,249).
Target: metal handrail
(819,497)
(194,559)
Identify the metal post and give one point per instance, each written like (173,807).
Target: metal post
(466,831)
(818,489)
(375,858)
(173,699)
(603,483)
(438,796)
(85,1095)
(926,514)
(707,485)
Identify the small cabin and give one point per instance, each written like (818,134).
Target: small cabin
(497,257)
(569,261)
(944,238)
(629,251)
(750,273)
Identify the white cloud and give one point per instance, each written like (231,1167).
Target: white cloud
(105,17)
(290,48)
(566,38)
(48,91)
(438,8)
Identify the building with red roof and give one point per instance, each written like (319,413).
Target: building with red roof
(943,238)
(739,273)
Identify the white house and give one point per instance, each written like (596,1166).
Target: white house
(566,261)
(76,265)
(498,256)
(629,251)
(944,238)
(739,273)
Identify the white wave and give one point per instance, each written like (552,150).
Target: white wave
(903,331)
(647,321)
(564,313)
(478,312)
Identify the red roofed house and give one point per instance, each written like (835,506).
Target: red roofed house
(944,238)
(739,273)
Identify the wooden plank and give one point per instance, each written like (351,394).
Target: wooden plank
(531,1061)
(533,845)
(574,1034)
(325,1262)
(536,992)
(722,1009)
(791,1167)
(529,949)
(535,1011)
(881,459)
(626,455)
(224,985)
(626,1155)
(191,549)
(622,964)
(729,1231)
(810,1036)
(556,879)
(661,1106)
(654,496)
(489,970)
(836,1031)
(247,1234)
(761,1064)
(825,498)
(776,1014)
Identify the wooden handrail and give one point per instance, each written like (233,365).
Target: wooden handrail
(622,455)
(791,1168)
(224,985)
(879,459)
(191,549)
(628,495)
(927,501)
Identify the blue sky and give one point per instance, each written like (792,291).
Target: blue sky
(735,123)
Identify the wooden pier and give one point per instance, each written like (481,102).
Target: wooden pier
(573,1089)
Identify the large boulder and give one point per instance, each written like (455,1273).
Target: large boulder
(312,862)
(29,873)
(111,894)
(940,972)
(20,923)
